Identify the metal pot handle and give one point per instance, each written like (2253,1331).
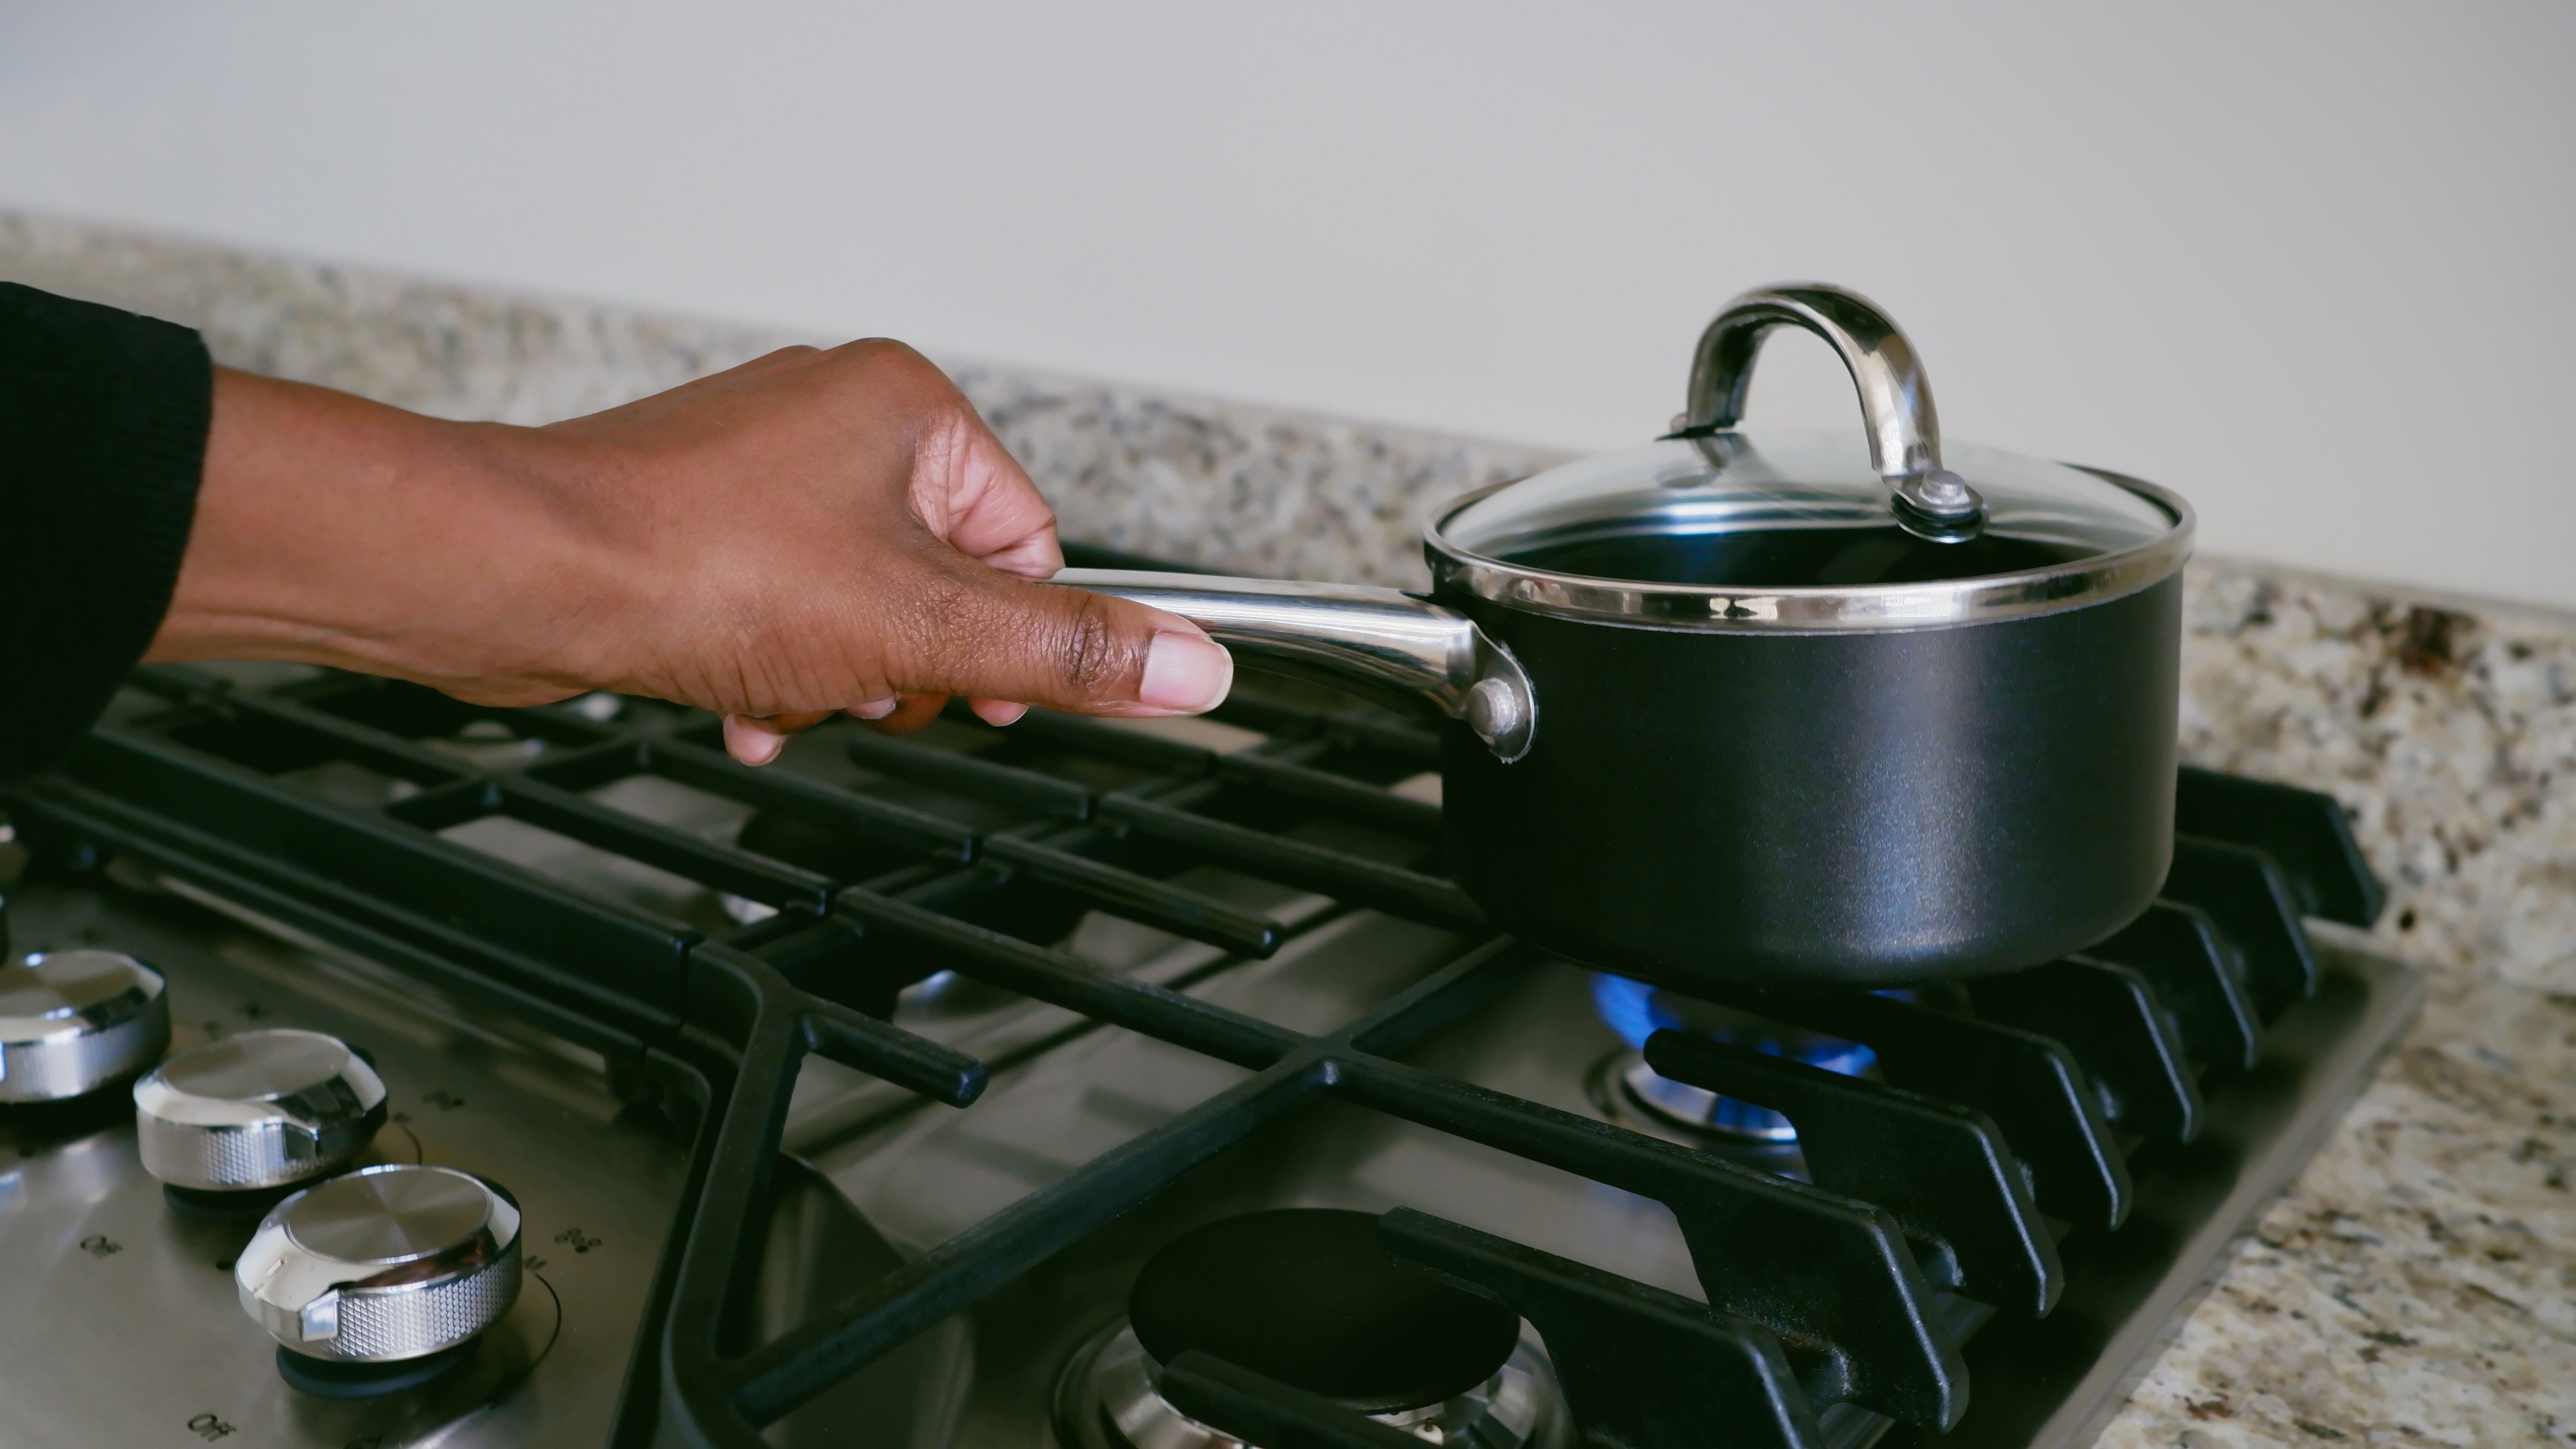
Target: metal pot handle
(1385,643)
(1895,397)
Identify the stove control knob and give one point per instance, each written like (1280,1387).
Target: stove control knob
(383,1264)
(74,1021)
(261,1109)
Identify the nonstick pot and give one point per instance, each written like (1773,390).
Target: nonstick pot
(1779,709)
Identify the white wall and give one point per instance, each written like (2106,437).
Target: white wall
(2311,264)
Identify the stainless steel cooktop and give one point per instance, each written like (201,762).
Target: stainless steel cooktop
(1154,992)
(118,1320)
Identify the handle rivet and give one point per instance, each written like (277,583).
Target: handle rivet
(1494,709)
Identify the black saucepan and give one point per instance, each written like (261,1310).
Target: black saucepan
(1777,708)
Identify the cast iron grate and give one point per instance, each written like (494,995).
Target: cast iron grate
(321,803)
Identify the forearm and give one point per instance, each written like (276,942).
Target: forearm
(806,533)
(333,530)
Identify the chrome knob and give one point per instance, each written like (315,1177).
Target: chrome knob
(74,1021)
(383,1264)
(261,1109)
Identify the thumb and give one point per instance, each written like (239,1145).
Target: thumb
(1010,638)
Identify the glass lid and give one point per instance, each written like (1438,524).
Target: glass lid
(1782,509)
(1714,527)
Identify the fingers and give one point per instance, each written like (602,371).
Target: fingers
(1037,556)
(1186,672)
(758,739)
(761,739)
(1015,646)
(993,637)
(973,494)
(910,713)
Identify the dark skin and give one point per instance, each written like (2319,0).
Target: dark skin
(810,533)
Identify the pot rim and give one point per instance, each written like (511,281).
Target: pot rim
(1855,609)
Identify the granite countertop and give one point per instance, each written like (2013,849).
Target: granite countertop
(2418,1283)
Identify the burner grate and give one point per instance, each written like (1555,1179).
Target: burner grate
(1834,1305)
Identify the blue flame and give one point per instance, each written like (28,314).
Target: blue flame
(1630,1008)
(1635,1011)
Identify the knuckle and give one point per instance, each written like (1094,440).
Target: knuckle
(940,602)
(886,359)
(1091,655)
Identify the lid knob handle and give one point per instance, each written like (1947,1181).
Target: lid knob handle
(1895,397)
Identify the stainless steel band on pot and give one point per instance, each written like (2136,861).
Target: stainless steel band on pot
(1865,609)
(2140,534)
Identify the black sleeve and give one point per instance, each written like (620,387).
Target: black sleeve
(103,418)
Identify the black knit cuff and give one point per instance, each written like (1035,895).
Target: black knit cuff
(103,421)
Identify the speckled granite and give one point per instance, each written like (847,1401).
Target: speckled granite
(1230,484)
(2417,1285)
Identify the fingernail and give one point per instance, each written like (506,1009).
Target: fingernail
(746,741)
(875,708)
(997,712)
(1185,673)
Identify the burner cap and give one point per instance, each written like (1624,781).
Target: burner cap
(1306,1296)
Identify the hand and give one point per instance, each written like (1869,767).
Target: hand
(810,532)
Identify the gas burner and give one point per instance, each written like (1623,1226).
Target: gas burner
(1630,1091)
(1307,1297)
(232,1126)
(72,1022)
(379,1280)
(1107,1400)
(1634,1094)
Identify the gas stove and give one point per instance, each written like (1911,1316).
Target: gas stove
(1111,1085)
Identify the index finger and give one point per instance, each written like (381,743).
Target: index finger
(993,513)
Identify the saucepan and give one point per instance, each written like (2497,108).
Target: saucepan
(1778,708)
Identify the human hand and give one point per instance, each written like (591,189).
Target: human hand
(810,532)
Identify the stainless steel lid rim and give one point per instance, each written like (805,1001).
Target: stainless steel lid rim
(1856,609)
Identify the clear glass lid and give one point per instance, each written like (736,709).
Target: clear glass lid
(1783,509)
